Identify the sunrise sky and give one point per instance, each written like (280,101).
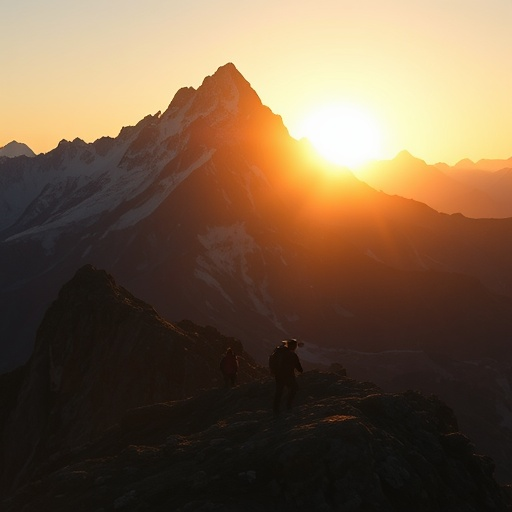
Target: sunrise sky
(434,75)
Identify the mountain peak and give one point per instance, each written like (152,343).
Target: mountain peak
(226,89)
(14,148)
(228,74)
(405,157)
(228,70)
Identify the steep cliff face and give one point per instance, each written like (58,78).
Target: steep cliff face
(345,446)
(99,352)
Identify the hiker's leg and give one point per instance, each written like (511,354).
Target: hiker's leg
(278,395)
(292,391)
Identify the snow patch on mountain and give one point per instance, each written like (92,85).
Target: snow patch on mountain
(341,311)
(227,252)
(372,255)
(26,192)
(227,248)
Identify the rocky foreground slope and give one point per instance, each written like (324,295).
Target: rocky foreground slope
(345,447)
(120,410)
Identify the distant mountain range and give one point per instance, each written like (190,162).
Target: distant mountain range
(212,212)
(481,189)
(14,149)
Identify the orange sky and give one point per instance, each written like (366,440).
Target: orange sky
(435,74)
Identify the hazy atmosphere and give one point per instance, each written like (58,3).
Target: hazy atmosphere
(433,77)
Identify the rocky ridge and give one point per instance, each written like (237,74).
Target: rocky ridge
(346,446)
(119,409)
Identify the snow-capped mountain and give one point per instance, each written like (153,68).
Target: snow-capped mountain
(14,149)
(211,212)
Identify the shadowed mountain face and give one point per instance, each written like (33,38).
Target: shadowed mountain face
(99,352)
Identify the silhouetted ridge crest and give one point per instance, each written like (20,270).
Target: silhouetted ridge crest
(90,285)
(99,352)
(226,90)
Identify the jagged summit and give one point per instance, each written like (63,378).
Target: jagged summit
(228,73)
(224,92)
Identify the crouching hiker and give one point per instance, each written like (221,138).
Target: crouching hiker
(282,363)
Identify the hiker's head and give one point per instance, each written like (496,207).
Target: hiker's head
(291,343)
(229,351)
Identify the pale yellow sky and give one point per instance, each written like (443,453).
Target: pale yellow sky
(435,74)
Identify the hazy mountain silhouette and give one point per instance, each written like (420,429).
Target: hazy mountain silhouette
(493,177)
(97,424)
(211,212)
(485,164)
(14,149)
(412,178)
(478,190)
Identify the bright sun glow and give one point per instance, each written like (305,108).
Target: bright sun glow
(343,134)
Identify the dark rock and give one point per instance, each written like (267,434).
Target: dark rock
(347,446)
(99,352)
(120,410)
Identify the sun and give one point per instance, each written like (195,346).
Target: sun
(344,134)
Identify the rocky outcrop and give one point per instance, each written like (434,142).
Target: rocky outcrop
(346,446)
(99,352)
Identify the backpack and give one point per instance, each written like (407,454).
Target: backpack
(275,359)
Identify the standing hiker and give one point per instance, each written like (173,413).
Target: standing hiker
(229,367)
(283,362)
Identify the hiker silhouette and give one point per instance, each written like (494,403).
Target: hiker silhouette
(229,367)
(283,363)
